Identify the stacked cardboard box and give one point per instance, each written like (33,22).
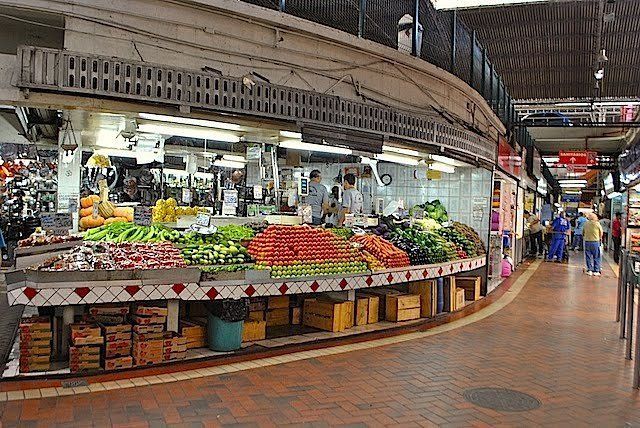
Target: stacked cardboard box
(277,311)
(148,336)
(117,346)
(35,344)
(195,334)
(86,346)
(174,346)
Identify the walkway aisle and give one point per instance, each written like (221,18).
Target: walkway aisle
(556,341)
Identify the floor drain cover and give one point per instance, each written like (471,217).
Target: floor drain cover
(502,400)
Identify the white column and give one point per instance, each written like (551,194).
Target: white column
(173,316)
(67,319)
(69,174)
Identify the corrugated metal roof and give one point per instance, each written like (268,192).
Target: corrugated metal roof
(547,50)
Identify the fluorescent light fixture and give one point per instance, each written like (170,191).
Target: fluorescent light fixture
(291,134)
(551,159)
(189,132)
(189,121)
(299,145)
(229,164)
(401,151)
(175,172)
(573,192)
(454,4)
(573,185)
(234,158)
(572,181)
(446,160)
(399,159)
(442,167)
(204,175)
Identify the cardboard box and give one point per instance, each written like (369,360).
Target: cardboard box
(36,350)
(296,315)
(362,310)
(116,337)
(471,286)
(85,330)
(151,311)
(115,329)
(276,317)
(89,366)
(460,293)
(80,341)
(34,336)
(35,323)
(402,307)
(142,362)
(147,320)
(197,344)
(120,348)
(428,292)
(173,339)
(118,363)
(146,329)
(147,345)
(278,302)
(175,348)
(84,350)
(174,356)
(109,310)
(143,337)
(34,359)
(254,330)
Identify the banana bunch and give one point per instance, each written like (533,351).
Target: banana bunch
(189,210)
(100,161)
(129,232)
(165,211)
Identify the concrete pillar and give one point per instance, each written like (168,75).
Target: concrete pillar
(173,317)
(69,174)
(68,313)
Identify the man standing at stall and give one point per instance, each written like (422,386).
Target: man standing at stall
(560,227)
(318,197)
(578,241)
(351,197)
(535,230)
(616,236)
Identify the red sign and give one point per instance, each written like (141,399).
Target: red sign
(576,169)
(570,157)
(508,159)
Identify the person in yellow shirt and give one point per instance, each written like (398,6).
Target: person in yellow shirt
(592,236)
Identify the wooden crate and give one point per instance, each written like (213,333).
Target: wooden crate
(373,312)
(256,315)
(254,330)
(402,307)
(471,286)
(449,290)
(428,292)
(328,315)
(278,302)
(296,315)
(362,310)
(460,292)
(277,317)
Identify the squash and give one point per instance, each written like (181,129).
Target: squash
(84,212)
(89,201)
(126,212)
(90,222)
(106,209)
(115,220)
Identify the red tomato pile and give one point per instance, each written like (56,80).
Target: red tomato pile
(292,251)
(388,254)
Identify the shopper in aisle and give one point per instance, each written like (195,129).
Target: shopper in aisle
(605,222)
(578,238)
(592,242)
(318,197)
(535,229)
(616,236)
(351,197)
(560,228)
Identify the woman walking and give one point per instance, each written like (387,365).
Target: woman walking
(592,240)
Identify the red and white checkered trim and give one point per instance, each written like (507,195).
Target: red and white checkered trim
(79,293)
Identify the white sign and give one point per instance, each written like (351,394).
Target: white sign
(186,196)
(257,192)
(142,216)
(231,197)
(203,219)
(73,205)
(56,223)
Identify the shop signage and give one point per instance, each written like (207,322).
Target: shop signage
(73,205)
(142,215)
(577,157)
(56,223)
(203,219)
(508,158)
(479,205)
(577,169)
(570,198)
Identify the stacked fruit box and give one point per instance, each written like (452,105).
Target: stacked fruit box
(86,347)
(117,346)
(148,329)
(194,334)
(174,346)
(35,344)
(277,311)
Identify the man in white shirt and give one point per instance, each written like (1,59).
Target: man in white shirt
(535,233)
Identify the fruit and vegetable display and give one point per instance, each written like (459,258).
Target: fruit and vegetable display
(215,254)
(385,252)
(226,268)
(233,232)
(423,247)
(464,247)
(372,263)
(344,232)
(96,211)
(195,238)
(427,224)
(37,240)
(297,251)
(433,210)
(471,235)
(110,256)
(167,211)
(129,232)
(258,226)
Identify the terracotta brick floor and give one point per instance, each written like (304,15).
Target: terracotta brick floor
(556,341)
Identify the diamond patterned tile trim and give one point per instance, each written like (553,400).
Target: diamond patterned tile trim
(283,289)
(132,289)
(212,293)
(178,288)
(30,292)
(249,290)
(82,291)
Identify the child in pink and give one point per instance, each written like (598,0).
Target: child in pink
(507,266)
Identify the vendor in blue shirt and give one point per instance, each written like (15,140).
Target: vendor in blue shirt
(560,227)
(577,233)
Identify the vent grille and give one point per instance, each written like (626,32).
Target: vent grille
(77,73)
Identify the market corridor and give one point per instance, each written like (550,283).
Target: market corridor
(555,341)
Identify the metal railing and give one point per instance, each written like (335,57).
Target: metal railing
(627,314)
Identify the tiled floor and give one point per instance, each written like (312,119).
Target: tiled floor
(556,340)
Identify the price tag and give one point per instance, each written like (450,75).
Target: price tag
(142,216)
(231,197)
(257,192)
(203,219)
(186,195)
(56,223)
(73,205)
(360,220)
